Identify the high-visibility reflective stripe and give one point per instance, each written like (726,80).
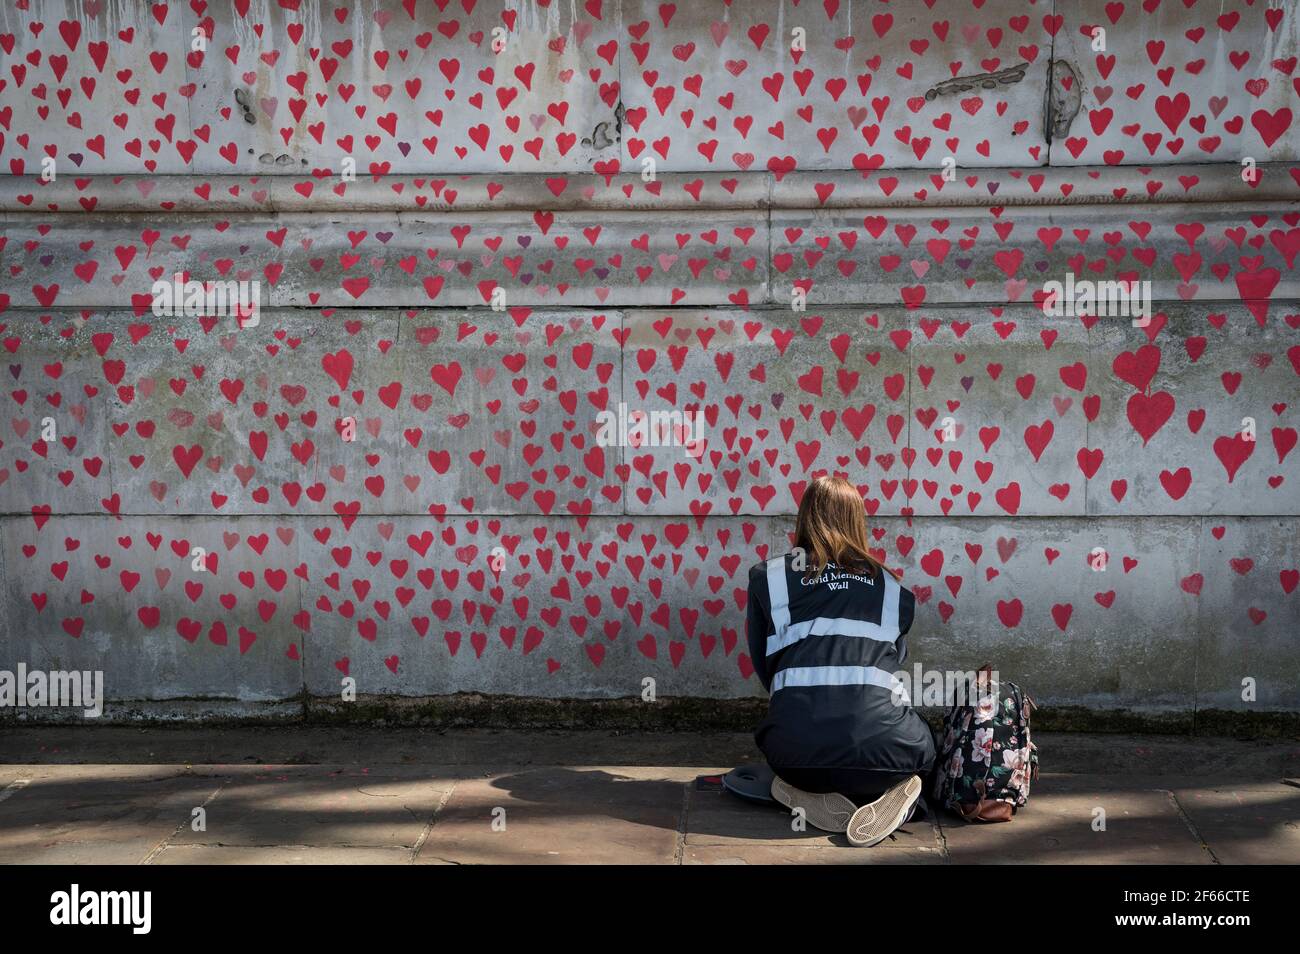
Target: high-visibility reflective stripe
(778,594)
(826,626)
(886,631)
(889,608)
(805,676)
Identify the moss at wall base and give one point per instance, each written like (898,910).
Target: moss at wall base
(685,714)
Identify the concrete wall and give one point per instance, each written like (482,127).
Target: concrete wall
(704,86)
(477,429)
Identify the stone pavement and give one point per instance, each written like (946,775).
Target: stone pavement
(294,795)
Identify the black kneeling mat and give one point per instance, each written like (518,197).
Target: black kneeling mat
(753,783)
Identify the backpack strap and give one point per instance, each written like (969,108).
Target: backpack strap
(986,810)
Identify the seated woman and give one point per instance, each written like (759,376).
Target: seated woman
(826,630)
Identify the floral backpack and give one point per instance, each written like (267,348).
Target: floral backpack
(987,759)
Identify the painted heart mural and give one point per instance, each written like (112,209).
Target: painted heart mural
(471,86)
(479,234)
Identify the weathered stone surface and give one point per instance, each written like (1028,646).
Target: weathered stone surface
(561,816)
(275,855)
(779,397)
(1248,654)
(55,382)
(705,86)
(595,258)
(442,93)
(1213,802)
(595,613)
(95,126)
(672,587)
(103,814)
(700,191)
(1063,187)
(589,612)
(1002,256)
(722,829)
(320,806)
(125,600)
(1142,827)
(1230,99)
(996,416)
(1246,823)
(537,259)
(450,412)
(1177,408)
(761,854)
(840,103)
(776,170)
(1023,597)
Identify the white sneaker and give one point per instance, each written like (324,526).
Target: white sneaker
(876,821)
(828,811)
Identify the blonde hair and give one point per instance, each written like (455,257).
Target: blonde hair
(832,528)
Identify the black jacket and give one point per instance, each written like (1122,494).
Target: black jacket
(827,647)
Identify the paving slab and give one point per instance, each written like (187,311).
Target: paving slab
(1142,826)
(823,855)
(263,855)
(1248,823)
(599,815)
(96,814)
(322,807)
(717,819)
(413,800)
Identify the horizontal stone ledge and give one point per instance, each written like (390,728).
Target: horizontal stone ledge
(884,188)
(1279,305)
(1211,252)
(628,713)
(424,193)
(657,517)
(674,714)
(1046,185)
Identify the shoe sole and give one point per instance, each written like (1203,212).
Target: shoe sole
(874,822)
(828,811)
